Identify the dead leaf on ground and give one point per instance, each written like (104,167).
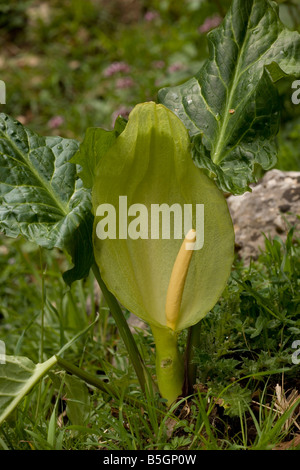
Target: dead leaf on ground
(287,445)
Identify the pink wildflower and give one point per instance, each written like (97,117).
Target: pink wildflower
(175,67)
(121,111)
(124,82)
(55,122)
(116,67)
(210,23)
(151,16)
(158,64)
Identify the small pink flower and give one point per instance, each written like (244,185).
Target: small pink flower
(158,64)
(121,111)
(124,82)
(116,67)
(151,16)
(175,67)
(55,122)
(210,23)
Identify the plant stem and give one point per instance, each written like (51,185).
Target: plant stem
(190,367)
(42,306)
(94,381)
(124,330)
(86,376)
(41,354)
(169,364)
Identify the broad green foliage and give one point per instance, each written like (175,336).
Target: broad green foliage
(151,163)
(17,377)
(96,143)
(40,197)
(225,119)
(78,400)
(231,107)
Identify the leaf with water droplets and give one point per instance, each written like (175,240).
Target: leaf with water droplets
(239,75)
(40,195)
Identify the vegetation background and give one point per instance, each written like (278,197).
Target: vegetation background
(73,64)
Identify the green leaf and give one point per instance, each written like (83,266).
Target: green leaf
(235,400)
(96,143)
(17,377)
(78,400)
(231,107)
(41,197)
(150,163)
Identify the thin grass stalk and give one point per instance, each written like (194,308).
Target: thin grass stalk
(125,333)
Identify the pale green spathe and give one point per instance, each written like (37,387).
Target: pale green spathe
(151,163)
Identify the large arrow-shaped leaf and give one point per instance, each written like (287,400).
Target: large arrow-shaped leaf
(231,107)
(17,377)
(40,196)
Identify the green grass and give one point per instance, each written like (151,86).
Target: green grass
(288,146)
(76,42)
(55,59)
(245,341)
(245,344)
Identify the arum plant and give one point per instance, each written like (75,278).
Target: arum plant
(143,205)
(166,280)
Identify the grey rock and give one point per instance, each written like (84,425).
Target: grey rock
(272,208)
(136,323)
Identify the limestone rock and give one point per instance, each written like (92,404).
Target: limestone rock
(272,208)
